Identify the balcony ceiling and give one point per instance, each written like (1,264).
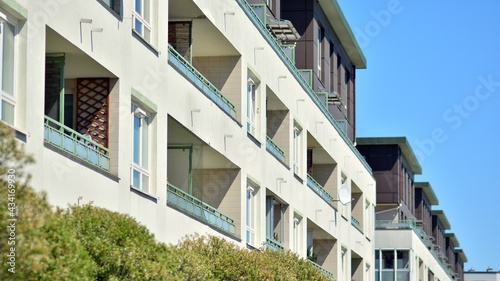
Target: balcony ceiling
(207,39)
(204,156)
(77,64)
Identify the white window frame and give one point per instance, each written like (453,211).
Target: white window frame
(140,17)
(319,51)
(297,234)
(251,215)
(6,97)
(142,168)
(251,107)
(297,149)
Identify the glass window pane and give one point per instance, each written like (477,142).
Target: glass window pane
(147,34)
(147,9)
(7,113)
(403,259)
(138,7)
(388,275)
(377,260)
(137,127)
(8,59)
(145,183)
(145,143)
(388,260)
(403,275)
(136,179)
(138,26)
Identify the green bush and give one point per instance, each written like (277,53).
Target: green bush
(90,243)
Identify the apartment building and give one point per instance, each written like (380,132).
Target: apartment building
(488,275)
(412,239)
(197,116)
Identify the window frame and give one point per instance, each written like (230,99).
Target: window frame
(297,151)
(6,97)
(251,107)
(139,17)
(321,32)
(250,217)
(143,167)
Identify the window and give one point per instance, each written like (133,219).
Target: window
(250,215)
(297,148)
(320,41)
(140,151)
(114,5)
(7,97)
(251,107)
(297,234)
(395,265)
(142,18)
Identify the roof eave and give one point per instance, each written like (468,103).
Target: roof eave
(442,218)
(428,191)
(337,19)
(402,142)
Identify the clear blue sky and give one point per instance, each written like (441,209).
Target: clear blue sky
(434,76)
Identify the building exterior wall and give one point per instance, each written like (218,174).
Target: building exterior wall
(143,73)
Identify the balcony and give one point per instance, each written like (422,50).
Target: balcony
(198,209)
(274,149)
(76,144)
(316,187)
(274,245)
(411,225)
(355,223)
(275,45)
(325,272)
(191,73)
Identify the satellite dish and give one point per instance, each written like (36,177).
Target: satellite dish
(344,194)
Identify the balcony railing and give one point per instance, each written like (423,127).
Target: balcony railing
(191,73)
(76,144)
(274,245)
(200,210)
(325,272)
(247,8)
(275,149)
(316,187)
(355,223)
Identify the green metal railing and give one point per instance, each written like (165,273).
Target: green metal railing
(355,223)
(69,140)
(190,72)
(247,8)
(274,245)
(316,187)
(275,149)
(185,202)
(411,225)
(323,270)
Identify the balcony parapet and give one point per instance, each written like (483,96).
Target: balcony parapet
(191,73)
(76,144)
(325,272)
(274,245)
(274,149)
(193,206)
(275,45)
(316,187)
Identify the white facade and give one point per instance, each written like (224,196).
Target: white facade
(412,260)
(164,125)
(488,275)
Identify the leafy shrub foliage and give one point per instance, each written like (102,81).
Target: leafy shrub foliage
(90,243)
